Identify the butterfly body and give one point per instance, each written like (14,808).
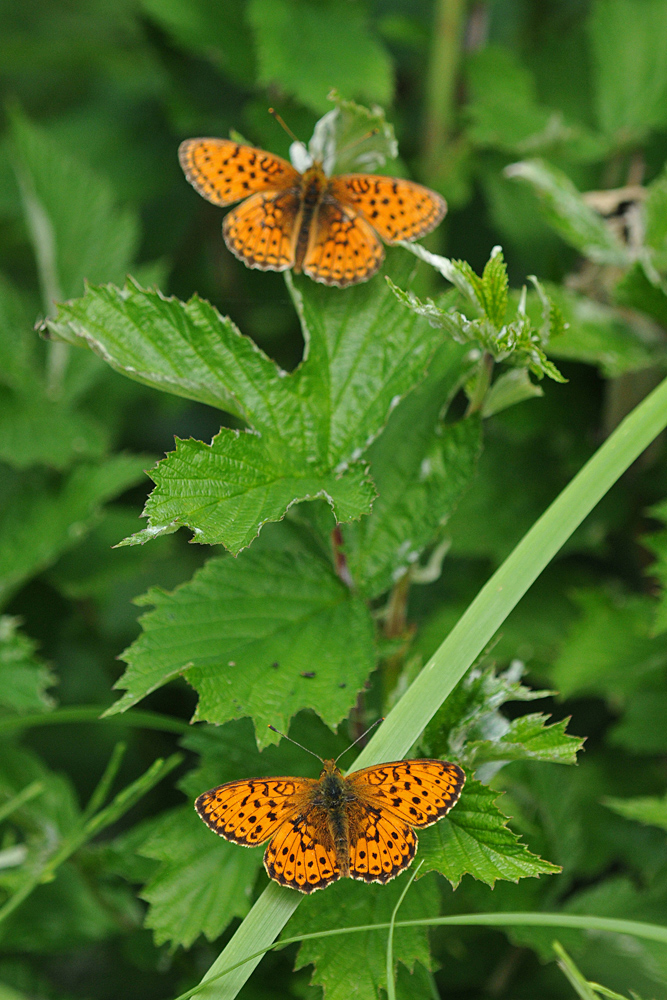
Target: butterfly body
(331,228)
(359,825)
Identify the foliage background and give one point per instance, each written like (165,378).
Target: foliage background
(97,100)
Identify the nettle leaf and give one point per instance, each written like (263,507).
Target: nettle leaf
(565,210)
(474,839)
(264,635)
(23,679)
(354,965)
(420,467)
(363,353)
(40,518)
(202,883)
(519,341)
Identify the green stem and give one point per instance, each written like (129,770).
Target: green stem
(633,928)
(457,653)
(92,713)
(443,67)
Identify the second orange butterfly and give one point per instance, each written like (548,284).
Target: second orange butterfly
(330,228)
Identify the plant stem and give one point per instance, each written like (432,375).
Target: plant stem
(441,77)
(457,653)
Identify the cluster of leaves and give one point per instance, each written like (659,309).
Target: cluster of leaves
(363,484)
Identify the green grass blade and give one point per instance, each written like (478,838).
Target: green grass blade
(456,654)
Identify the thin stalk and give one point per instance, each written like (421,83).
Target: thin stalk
(92,713)
(391,986)
(31,791)
(442,71)
(633,928)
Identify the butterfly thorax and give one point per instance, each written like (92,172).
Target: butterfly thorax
(314,183)
(332,796)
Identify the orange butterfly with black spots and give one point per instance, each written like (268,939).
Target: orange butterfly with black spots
(330,228)
(361,826)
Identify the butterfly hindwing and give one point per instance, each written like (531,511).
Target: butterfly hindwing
(342,249)
(302,854)
(262,230)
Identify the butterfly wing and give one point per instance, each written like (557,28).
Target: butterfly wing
(342,249)
(381,845)
(417,792)
(223,171)
(302,853)
(249,812)
(397,209)
(262,230)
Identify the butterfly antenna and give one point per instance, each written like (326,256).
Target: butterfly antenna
(280,121)
(290,738)
(359,738)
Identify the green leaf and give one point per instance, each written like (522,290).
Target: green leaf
(41,518)
(657,544)
(504,111)
(474,839)
(642,729)
(326,52)
(567,212)
(599,335)
(420,467)
(511,387)
(610,649)
(629,44)
(23,679)
(76,228)
(364,352)
(493,288)
(352,138)
(648,809)
(202,883)
(243,633)
(636,291)
(354,965)
(528,738)
(226,491)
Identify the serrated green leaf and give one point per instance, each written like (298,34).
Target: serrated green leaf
(528,738)
(657,544)
(202,883)
(40,519)
(565,210)
(226,491)
(327,51)
(364,353)
(243,632)
(494,288)
(352,138)
(474,839)
(355,965)
(420,467)
(648,809)
(23,679)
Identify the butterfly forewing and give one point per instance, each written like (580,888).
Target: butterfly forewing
(224,171)
(419,792)
(249,812)
(397,209)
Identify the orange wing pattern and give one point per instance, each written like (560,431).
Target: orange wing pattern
(224,171)
(302,853)
(249,812)
(381,846)
(342,249)
(262,230)
(397,209)
(419,792)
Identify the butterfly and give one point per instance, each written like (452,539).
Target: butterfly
(360,826)
(330,228)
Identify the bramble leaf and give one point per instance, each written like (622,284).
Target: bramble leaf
(265,635)
(354,965)
(23,679)
(474,839)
